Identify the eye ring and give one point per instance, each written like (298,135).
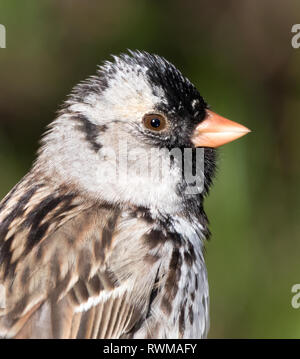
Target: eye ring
(154,122)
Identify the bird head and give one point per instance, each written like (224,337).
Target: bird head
(126,135)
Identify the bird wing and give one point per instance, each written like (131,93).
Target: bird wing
(69,270)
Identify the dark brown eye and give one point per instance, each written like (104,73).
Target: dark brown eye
(154,122)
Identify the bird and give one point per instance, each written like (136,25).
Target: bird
(93,245)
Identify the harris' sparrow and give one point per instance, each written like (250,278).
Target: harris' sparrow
(85,256)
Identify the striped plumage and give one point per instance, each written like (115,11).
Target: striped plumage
(78,269)
(85,256)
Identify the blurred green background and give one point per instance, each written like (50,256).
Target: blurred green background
(239,55)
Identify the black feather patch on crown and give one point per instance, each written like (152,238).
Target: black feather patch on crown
(182,96)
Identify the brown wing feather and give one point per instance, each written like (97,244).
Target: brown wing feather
(77,278)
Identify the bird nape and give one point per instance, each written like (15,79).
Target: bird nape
(104,237)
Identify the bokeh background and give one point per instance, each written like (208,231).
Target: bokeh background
(239,55)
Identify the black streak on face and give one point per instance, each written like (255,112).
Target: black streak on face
(91,131)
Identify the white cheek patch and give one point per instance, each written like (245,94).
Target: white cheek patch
(129,94)
(127,97)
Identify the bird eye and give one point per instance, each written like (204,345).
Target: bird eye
(154,122)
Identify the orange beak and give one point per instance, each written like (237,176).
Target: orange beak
(215,131)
